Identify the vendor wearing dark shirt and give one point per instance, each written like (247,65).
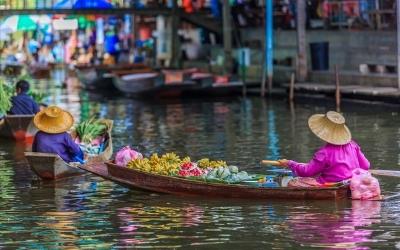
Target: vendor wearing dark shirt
(53,123)
(22,103)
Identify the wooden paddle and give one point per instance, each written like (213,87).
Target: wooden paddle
(270,162)
(390,173)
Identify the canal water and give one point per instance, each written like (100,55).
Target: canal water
(91,213)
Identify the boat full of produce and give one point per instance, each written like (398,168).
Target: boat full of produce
(94,138)
(171,174)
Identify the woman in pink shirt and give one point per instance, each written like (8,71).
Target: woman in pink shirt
(335,161)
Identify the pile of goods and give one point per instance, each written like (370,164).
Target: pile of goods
(38,96)
(170,164)
(90,135)
(229,174)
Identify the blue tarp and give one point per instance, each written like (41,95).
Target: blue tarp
(83,4)
(98,4)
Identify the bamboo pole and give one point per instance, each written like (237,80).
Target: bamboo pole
(268,56)
(301,41)
(175,44)
(337,92)
(227,33)
(243,66)
(398,42)
(291,88)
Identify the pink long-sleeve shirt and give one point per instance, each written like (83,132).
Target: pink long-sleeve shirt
(332,163)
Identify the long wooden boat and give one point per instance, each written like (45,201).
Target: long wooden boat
(51,166)
(91,80)
(41,71)
(135,84)
(12,69)
(18,127)
(154,85)
(101,77)
(186,187)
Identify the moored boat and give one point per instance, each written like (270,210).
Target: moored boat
(101,77)
(90,79)
(51,166)
(181,186)
(12,69)
(18,127)
(136,83)
(41,71)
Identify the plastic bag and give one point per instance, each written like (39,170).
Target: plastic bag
(125,155)
(363,186)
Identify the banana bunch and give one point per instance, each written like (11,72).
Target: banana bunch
(167,164)
(207,163)
(140,164)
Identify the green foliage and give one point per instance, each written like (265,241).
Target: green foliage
(38,96)
(88,130)
(5,97)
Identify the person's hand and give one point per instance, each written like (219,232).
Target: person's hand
(283,162)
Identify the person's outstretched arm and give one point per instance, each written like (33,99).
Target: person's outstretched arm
(313,168)
(73,148)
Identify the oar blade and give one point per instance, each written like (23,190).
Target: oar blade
(391,173)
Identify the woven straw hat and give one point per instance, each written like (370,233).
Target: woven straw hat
(330,128)
(53,120)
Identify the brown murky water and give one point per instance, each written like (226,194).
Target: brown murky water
(92,213)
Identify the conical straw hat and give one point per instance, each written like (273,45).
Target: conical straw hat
(330,128)
(53,120)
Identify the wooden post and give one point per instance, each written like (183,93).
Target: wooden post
(227,33)
(243,67)
(398,42)
(268,47)
(337,93)
(291,88)
(301,41)
(175,44)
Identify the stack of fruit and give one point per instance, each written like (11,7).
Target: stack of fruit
(167,164)
(191,169)
(228,174)
(205,169)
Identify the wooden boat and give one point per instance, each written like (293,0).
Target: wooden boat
(91,80)
(51,166)
(135,84)
(180,186)
(101,77)
(41,71)
(12,69)
(18,127)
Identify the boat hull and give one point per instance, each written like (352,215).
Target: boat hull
(180,186)
(18,127)
(50,166)
(136,83)
(91,80)
(101,77)
(40,72)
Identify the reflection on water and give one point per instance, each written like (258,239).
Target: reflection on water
(346,229)
(89,212)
